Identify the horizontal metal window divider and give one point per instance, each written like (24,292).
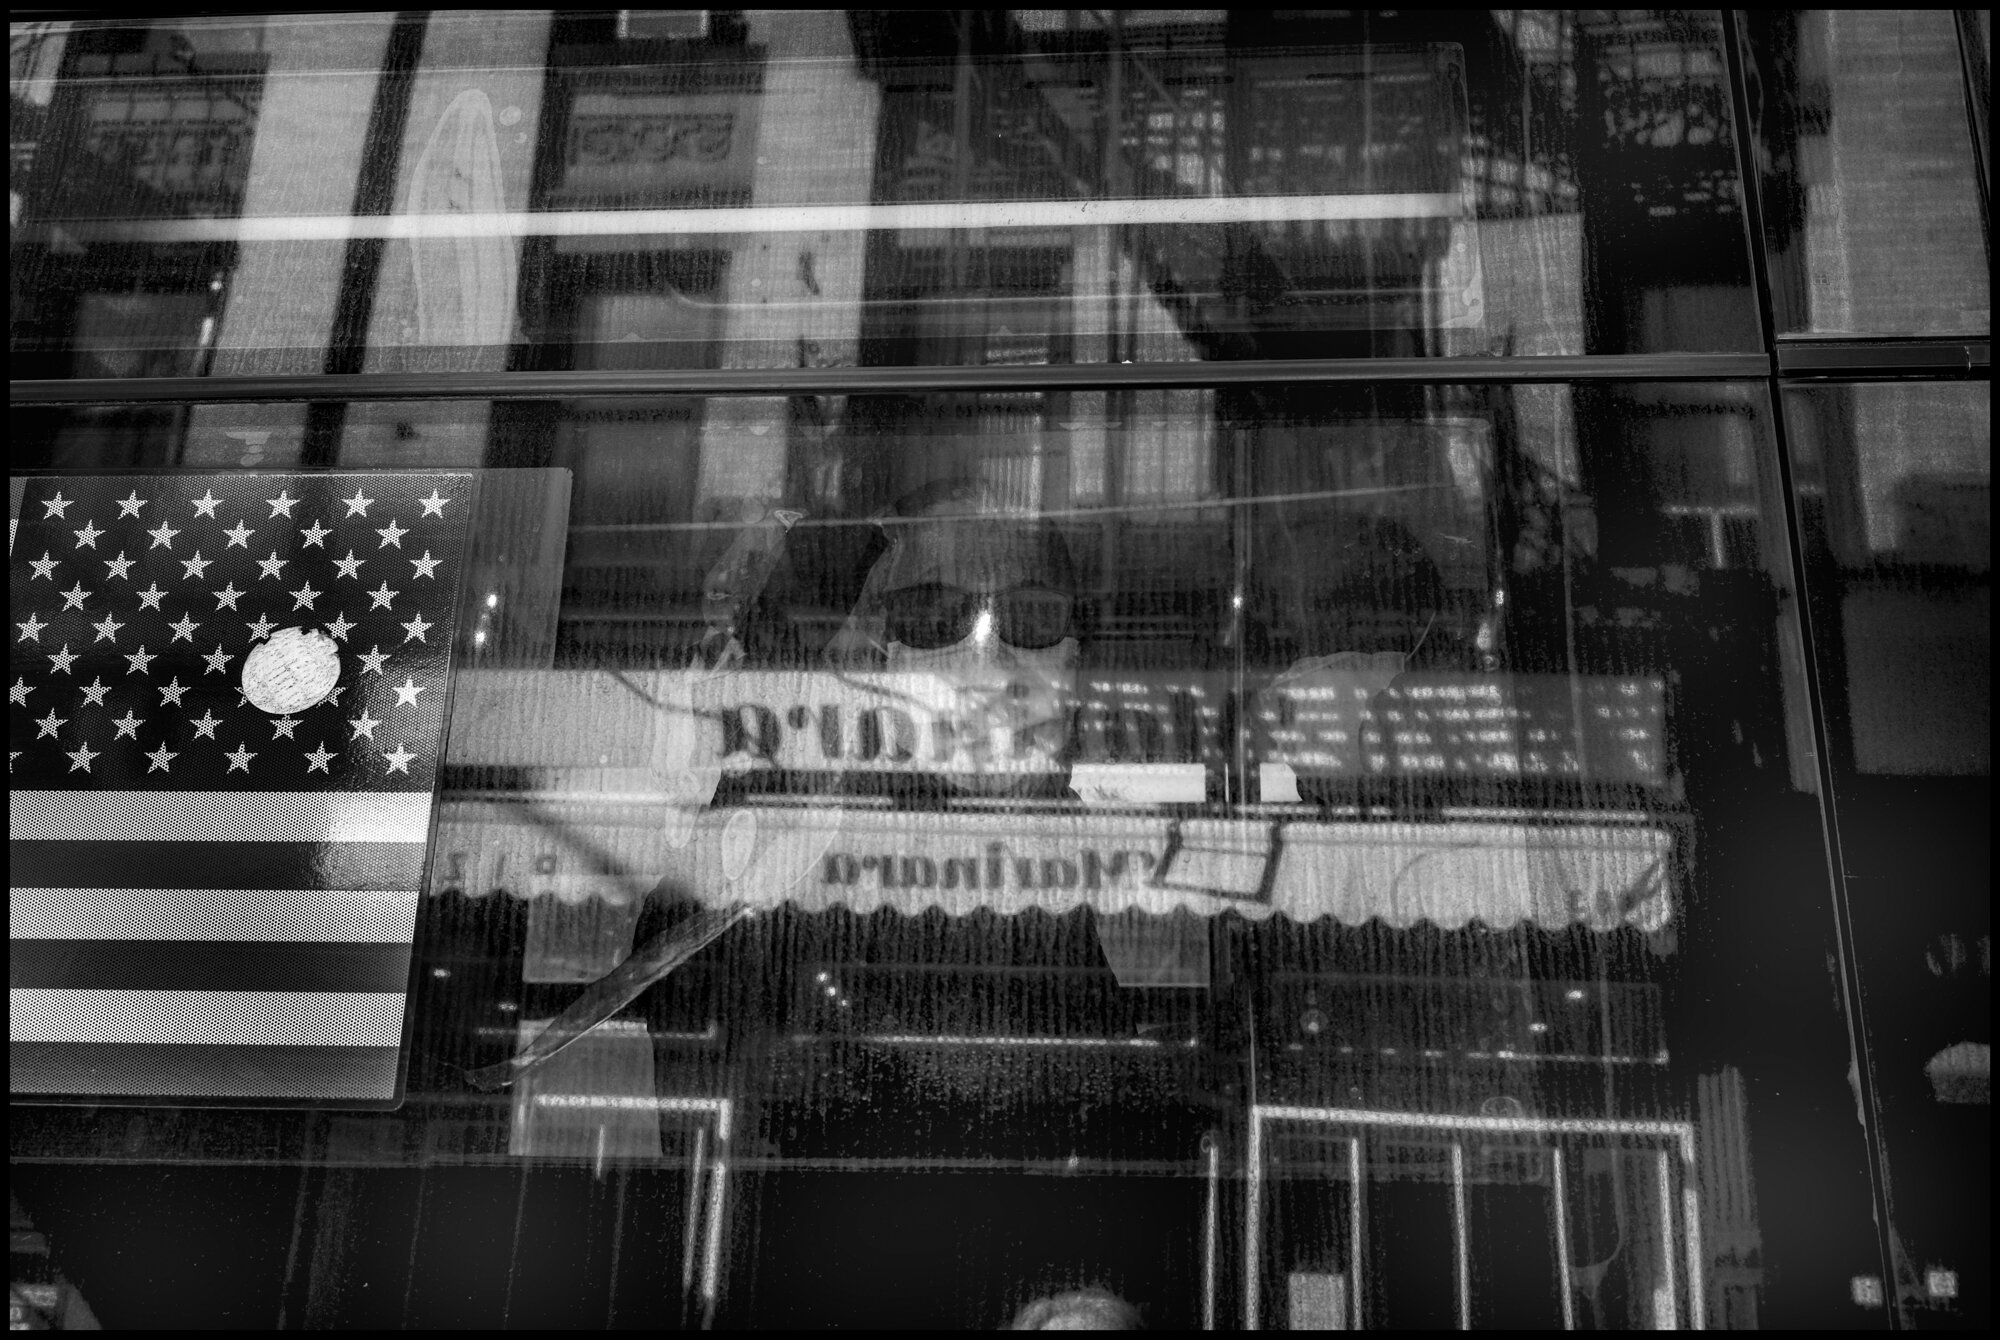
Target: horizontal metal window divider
(1885,358)
(873,380)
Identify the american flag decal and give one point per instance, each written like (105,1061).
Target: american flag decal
(226,707)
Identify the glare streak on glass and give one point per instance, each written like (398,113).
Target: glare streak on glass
(1356,1269)
(1211,1227)
(1559,1204)
(785,219)
(1460,1247)
(711,1256)
(1697,1275)
(1668,1312)
(691,1233)
(1253,1222)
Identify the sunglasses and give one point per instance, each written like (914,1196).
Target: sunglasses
(934,615)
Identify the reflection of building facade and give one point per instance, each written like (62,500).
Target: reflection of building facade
(1426,732)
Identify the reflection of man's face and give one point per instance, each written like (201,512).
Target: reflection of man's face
(974,604)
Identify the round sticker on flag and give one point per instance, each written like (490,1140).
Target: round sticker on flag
(290,671)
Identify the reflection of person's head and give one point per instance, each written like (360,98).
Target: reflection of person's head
(1356,583)
(980,600)
(953,548)
(1092,1309)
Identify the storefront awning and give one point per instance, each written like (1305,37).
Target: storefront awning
(1549,870)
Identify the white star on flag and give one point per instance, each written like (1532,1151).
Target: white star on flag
(358,505)
(150,598)
(56,505)
(74,597)
(140,659)
(364,725)
(184,628)
(392,534)
(227,596)
(127,725)
(282,727)
(204,725)
(271,565)
(206,504)
(161,757)
(399,759)
(416,628)
(317,760)
(303,597)
(119,565)
(171,691)
(373,659)
(31,630)
(406,692)
(107,629)
(19,693)
(87,537)
(315,535)
(339,627)
(61,660)
(239,536)
(79,759)
(130,505)
(196,566)
(434,505)
(163,537)
(381,596)
(426,566)
(261,628)
(50,724)
(44,566)
(218,660)
(350,566)
(283,504)
(239,758)
(93,695)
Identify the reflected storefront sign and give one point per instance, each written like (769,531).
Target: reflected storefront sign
(614,774)
(1549,872)
(1330,723)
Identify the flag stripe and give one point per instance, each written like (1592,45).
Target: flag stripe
(224,1018)
(213,816)
(308,915)
(334,1074)
(206,965)
(218,865)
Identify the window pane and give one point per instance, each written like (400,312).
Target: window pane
(782,189)
(1872,208)
(1095,767)
(1895,485)
(1900,498)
